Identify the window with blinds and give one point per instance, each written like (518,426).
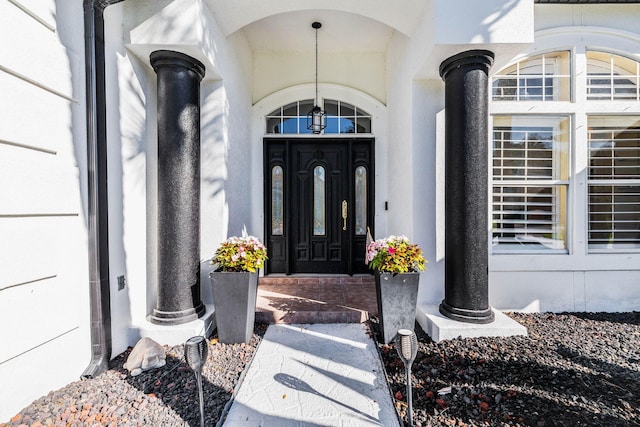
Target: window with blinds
(543,77)
(533,184)
(530,180)
(612,77)
(614,182)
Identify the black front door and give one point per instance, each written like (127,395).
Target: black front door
(318,196)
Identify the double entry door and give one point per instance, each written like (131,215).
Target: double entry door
(318,204)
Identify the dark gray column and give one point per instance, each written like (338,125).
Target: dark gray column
(466,296)
(179,78)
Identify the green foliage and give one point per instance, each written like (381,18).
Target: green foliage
(245,253)
(395,254)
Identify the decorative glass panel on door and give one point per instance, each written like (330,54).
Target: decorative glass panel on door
(319,224)
(361,200)
(277,203)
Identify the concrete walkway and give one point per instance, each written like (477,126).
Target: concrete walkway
(314,375)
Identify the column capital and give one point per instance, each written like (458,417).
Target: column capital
(470,58)
(170,58)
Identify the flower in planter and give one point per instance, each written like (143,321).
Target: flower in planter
(244,253)
(395,254)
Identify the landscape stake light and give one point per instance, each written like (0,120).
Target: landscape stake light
(407,346)
(195,353)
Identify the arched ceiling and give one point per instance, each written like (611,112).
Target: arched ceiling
(285,25)
(340,31)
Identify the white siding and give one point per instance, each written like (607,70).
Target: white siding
(43,257)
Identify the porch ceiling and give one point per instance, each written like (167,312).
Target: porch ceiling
(285,25)
(340,31)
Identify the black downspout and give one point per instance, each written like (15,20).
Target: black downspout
(97,215)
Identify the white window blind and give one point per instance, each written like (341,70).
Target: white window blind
(530,180)
(614,182)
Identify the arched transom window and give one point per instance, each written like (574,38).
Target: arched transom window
(566,153)
(340,118)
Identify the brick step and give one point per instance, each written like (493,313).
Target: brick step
(316,299)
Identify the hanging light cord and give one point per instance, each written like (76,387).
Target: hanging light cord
(316,66)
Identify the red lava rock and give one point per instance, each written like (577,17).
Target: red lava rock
(398,395)
(442,403)
(430,394)
(484,406)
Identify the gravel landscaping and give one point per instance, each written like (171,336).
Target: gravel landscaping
(166,396)
(577,369)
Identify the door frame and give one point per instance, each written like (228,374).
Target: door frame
(361,152)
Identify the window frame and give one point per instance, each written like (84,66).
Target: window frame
(301,116)
(578,108)
(552,182)
(611,181)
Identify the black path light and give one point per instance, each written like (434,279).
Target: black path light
(195,353)
(407,346)
(315,117)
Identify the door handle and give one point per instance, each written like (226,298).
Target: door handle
(344,215)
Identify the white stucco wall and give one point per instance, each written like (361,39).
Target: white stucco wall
(44,304)
(364,71)
(226,206)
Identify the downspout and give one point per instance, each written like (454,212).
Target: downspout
(97,215)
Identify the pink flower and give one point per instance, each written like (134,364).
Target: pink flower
(392,250)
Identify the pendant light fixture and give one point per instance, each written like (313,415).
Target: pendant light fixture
(315,117)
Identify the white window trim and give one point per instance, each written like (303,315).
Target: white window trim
(578,109)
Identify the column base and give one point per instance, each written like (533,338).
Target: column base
(467,315)
(174,334)
(441,328)
(169,318)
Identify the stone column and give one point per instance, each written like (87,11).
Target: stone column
(179,77)
(466,178)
